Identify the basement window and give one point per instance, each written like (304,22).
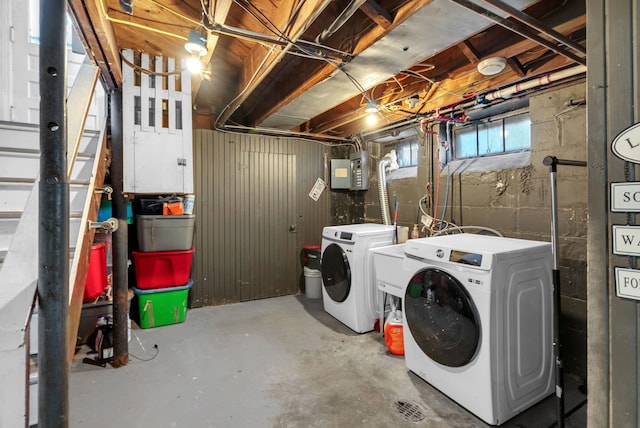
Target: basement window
(493,136)
(407,152)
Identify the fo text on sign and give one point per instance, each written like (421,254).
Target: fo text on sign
(627,283)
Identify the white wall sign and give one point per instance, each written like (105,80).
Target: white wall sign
(627,283)
(317,189)
(625,197)
(626,240)
(626,145)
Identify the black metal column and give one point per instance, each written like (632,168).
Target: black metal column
(120,238)
(53,233)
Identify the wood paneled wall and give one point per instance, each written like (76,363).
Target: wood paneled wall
(250,191)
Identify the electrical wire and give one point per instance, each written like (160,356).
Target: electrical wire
(155,346)
(461,229)
(433,82)
(135,24)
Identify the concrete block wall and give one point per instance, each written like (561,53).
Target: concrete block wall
(517,201)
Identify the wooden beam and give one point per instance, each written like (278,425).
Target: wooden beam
(99,39)
(469,51)
(515,66)
(377,13)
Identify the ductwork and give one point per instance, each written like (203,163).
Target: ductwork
(390,161)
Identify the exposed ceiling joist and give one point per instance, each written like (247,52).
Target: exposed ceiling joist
(377,14)
(260,62)
(387,51)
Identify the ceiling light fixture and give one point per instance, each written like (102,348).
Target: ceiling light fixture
(372,110)
(372,107)
(196,44)
(491,66)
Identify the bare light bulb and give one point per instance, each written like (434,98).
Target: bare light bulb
(372,118)
(194,64)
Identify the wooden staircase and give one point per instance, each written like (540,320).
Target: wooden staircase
(87,160)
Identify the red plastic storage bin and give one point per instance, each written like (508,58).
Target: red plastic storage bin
(97,274)
(162,269)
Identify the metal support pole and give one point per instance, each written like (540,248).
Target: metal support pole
(120,238)
(552,162)
(53,212)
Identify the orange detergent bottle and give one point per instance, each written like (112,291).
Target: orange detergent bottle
(393,333)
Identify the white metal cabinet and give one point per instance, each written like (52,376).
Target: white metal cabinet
(158,154)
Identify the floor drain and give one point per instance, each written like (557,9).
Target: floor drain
(411,412)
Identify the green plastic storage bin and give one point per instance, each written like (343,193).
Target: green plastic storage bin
(162,306)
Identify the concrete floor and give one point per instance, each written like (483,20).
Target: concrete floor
(280,362)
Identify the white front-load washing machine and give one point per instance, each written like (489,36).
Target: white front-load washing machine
(349,292)
(478,313)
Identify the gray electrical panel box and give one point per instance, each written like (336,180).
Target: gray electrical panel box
(350,173)
(359,165)
(340,174)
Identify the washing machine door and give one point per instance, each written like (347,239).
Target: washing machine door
(336,273)
(442,318)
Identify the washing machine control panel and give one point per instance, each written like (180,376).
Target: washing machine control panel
(345,235)
(475,281)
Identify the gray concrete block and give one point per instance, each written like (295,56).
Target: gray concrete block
(533,220)
(501,219)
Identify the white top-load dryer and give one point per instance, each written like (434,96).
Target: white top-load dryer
(478,314)
(349,292)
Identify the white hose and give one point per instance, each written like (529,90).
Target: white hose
(460,229)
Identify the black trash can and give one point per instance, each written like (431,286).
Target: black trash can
(311,255)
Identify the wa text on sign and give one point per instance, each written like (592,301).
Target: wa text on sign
(628,283)
(625,197)
(626,240)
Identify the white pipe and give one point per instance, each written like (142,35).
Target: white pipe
(545,79)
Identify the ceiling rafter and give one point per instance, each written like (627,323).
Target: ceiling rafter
(310,74)
(377,14)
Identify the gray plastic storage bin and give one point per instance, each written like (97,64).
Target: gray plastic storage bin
(165,233)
